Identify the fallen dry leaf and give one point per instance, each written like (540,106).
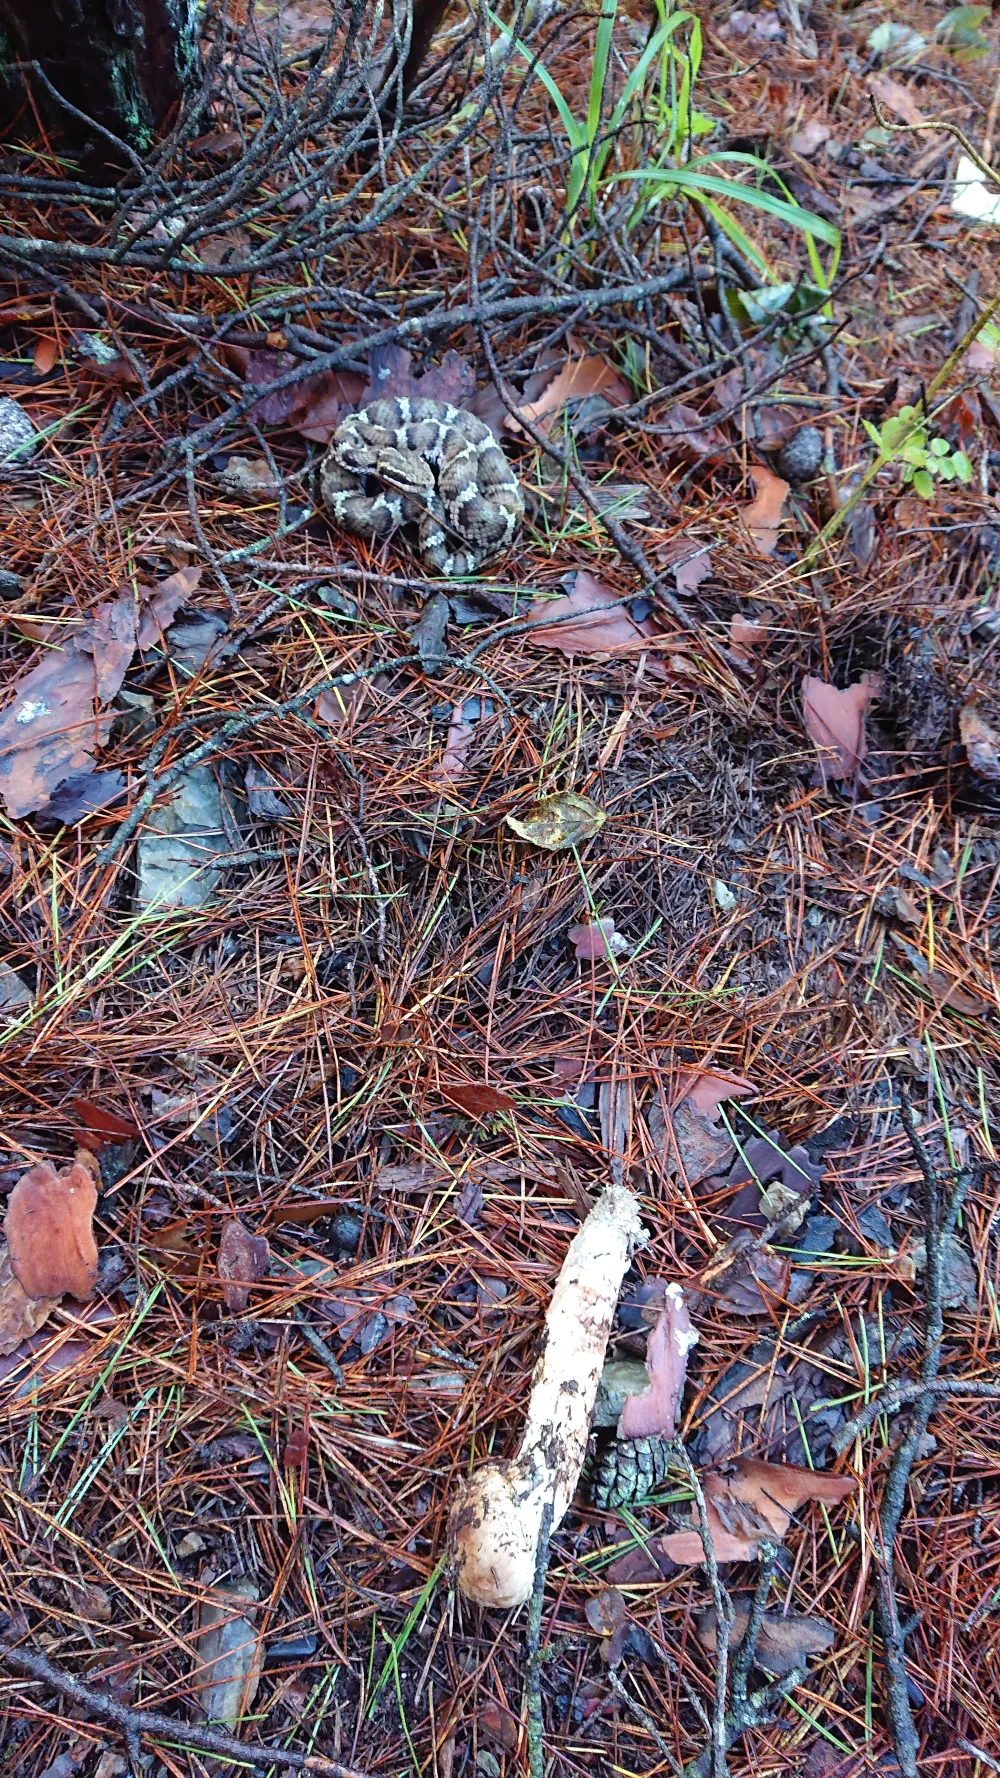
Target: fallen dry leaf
(391,374)
(783,1642)
(162,603)
(689,573)
(687,435)
(59,1351)
(314,407)
(590,619)
(578,378)
(810,137)
(459,740)
(51,729)
(835,723)
(337,705)
(745,1277)
(895,98)
(595,939)
(654,1411)
(748,1501)
(46,353)
(554,822)
(707,1090)
(981,740)
(229,1658)
(745,635)
(49,1231)
(762,517)
(476,1098)
(243,1260)
(20,1314)
(103,1124)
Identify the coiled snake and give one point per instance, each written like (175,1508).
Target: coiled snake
(410,460)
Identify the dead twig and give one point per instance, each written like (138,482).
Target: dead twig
(532,1641)
(135,1724)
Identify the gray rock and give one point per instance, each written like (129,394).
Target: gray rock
(19,438)
(801,455)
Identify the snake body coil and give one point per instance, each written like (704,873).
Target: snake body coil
(411,460)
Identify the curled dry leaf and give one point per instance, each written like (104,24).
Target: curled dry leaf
(590,619)
(244,1260)
(49,1232)
(762,517)
(691,1137)
(671,1340)
(748,1501)
(555,822)
(51,729)
(578,379)
(981,740)
(594,939)
(687,435)
(314,406)
(835,723)
(20,1314)
(783,1642)
(460,735)
(743,1276)
(46,353)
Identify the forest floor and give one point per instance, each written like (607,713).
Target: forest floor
(385,1051)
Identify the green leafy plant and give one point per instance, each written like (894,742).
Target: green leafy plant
(959,32)
(926,459)
(674,52)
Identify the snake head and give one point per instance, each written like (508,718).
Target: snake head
(405,471)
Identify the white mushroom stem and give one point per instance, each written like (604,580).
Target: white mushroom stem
(495,1521)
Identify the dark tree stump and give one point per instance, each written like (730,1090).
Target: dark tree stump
(123,63)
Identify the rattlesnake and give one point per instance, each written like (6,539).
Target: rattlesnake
(410,460)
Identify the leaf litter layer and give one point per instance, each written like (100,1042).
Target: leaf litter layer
(350,1106)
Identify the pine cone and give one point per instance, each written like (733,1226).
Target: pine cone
(628,1469)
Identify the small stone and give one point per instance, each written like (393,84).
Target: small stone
(345,1232)
(18,438)
(801,455)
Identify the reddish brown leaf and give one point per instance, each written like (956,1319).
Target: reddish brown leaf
(835,723)
(655,1410)
(46,353)
(783,1642)
(499,1725)
(595,939)
(895,98)
(590,619)
(688,436)
(49,1232)
(476,1098)
(749,1500)
(20,1314)
(103,1122)
(762,517)
(981,740)
(163,602)
(51,729)
(391,373)
(314,406)
(692,570)
(707,1090)
(243,1260)
(459,740)
(337,705)
(578,378)
(745,636)
(606,1610)
(297,1447)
